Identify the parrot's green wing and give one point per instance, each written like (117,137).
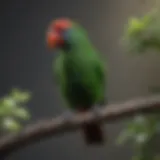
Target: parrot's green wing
(58,77)
(101,73)
(57,70)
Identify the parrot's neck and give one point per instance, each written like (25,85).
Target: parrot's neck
(78,55)
(83,48)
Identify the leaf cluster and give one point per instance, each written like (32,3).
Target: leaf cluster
(143,34)
(13,110)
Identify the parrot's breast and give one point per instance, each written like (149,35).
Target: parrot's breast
(81,85)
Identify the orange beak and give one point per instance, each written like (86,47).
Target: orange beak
(53,40)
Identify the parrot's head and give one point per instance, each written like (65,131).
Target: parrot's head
(64,33)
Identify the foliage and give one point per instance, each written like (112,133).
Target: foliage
(12,110)
(141,130)
(143,34)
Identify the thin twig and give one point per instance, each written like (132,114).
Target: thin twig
(47,128)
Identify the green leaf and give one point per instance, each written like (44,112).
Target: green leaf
(141,138)
(22,113)
(123,137)
(9,102)
(20,96)
(11,124)
(12,110)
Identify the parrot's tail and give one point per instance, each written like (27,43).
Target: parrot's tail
(93,133)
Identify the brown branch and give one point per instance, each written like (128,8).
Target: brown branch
(46,128)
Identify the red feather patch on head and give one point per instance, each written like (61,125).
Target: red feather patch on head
(54,34)
(61,24)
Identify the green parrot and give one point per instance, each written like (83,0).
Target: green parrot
(79,72)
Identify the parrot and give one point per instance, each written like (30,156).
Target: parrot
(79,72)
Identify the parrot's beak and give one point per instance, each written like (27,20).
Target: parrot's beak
(52,40)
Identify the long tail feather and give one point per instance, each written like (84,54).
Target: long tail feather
(93,133)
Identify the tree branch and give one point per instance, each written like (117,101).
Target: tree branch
(46,128)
